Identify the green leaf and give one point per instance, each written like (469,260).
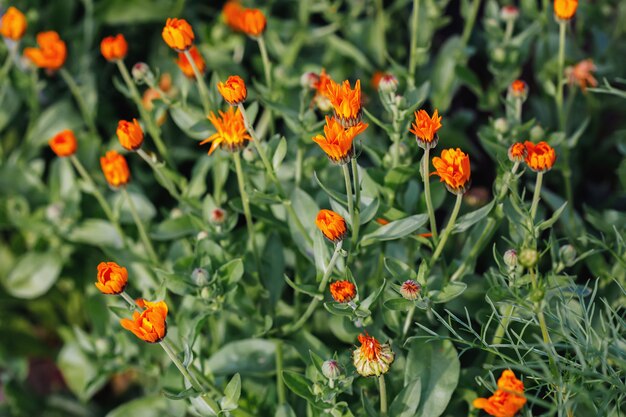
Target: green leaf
(449,292)
(279,154)
(396,229)
(59,116)
(335,195)
(96,232)
(231,272)
(247,357)
(406,402)
(469,79)
(306,209)
(399,270)
(232,393)
(398,304)
(174,228)
(370,210)
(186,119)
(367,405)
(469,219)
(299,385)
(152,406)
(415,97)
(33,275)
(284,410)
(78,370)
(548,223)
(303,288)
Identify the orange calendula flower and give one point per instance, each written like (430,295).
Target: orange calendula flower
(233,90)
(252,22)
(63,143)
(112,278)
(13,24)
(331,224)
(178,34)
(508,398)
(372,358)
(565,9)
(342,291)
(115,169)
(453,167)
(114,48)
(517,152)
(150,324)
(425,129)
(337,141)
(320,85)
(129,134)
(345,101)
(518,89)
(231,12)
(581,74)
(231,132)
(185,66)
(51,53)
(540,157)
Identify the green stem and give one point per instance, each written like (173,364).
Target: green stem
(129,300)
(266,62)
(383,395)
(508,32)
(501,330)
(202,88)
(561,70)
(147,243)
(299,162)
(6,67)
(164,179)
(280,385)
(477,249)
(184,371)
(320,289)
(469,23)
(357,201)
(429,203)
(351,211)
(447,230)
(82,105)
(536,194)
(507,182)
(245,202)
(518,110)
(413,51)
(407,322)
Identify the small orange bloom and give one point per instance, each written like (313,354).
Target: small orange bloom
(454,169)
(508,398)
(517,152)
(345,101)
(540,157)
(518,89)
(581,74)
(233,90)
(231,132)
(112,278)
(13,24)
(231,12)
(331,224)
(252,22)
(115,169)
(185,66)
(425,129)
(378,75)
(337,141)
(372,358)
(63,143)
(342,291)
(150,324)
(178,34)
(565,9)
(129,134)
(114,47)
(51,52)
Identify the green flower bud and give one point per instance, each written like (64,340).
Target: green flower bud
(528,258)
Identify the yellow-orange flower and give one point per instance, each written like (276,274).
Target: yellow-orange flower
(321,87)
(51,53)
(425,129)
(565,9)
(250,21)
(114,47)
(112,278)
(581,74)
(231,11)
(331,224)
(185,66)
(453,167)
(508,398)
(518,89)
(13,24)
(63,143)
(231,132)
(178,34)
(345,101)
(342,291)
(517,152)
(233,90)
(115,169)
(129,134)
(540,157)
(337,141)
(372,358)
(150,324)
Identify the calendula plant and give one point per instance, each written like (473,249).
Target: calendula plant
(316,208)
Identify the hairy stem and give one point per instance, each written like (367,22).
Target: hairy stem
(427,197)
(447,230)
(413,45)
(145,239)
(202,88)
(245,202)
(536,195)
(383,395)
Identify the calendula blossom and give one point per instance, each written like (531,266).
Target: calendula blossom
(372,358)
(51,52)
(337,141)
(517,152)
(508,399)
(111,278)
(582,74)
(233,90)
(63,143)
(540,157)
(331,224)
(320,85)
(185,66)
(425,129)
(453,167)
(150,324)
(342,291)
(231,132)
(114,48)
(565,9)
(346,102)
(13,24)
(130,134)
(250,21)
(115,169)
(178,34)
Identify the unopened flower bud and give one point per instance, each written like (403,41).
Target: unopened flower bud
(410,289)
(510,258)
(331,369)
(202,235)
(205,293)
(498,54)
(537,133)
(567,254)
(248,154)
(217,216)
(200,277)
(176,213)
(388,84)
(518,90)
(501,125)
(54,212)
(142,73)
(508,13)
(309,80)
(528,258)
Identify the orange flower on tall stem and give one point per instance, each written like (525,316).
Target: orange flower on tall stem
(565,9)
(581,74)
(231,132)
(63,143)
(540,157)
(130,134)
(231,11)
(233,90)
(185,66)
(150,324)
(337,141)
(508,398)
(13,24)
(372,358)
(250,21)
(114,48)
(453,167)
(517,152)
(51,52)
(115,169)
(342,291)
(425,129)
(331,224)
(111,278)
(178,34)
(346,102)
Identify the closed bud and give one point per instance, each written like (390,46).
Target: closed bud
(568,255)
(141,72)
(388,84)
(528,258)
(248,154)
(501,125)
(205,293)
(509,13)
(498,54)
(410,289)
(200,277)
(331,369)
(217,216)
(309,80)
(537,133)
(202,235)
(510,258)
